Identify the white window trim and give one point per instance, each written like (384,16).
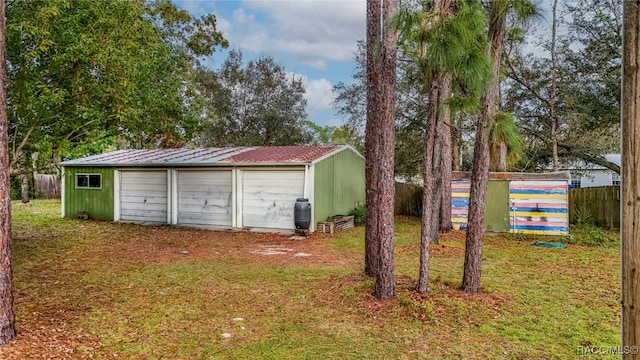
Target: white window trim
(75,180)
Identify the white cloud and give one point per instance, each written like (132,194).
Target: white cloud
(318,94)
(244,32)
(538,35)
(317,37)
(314,32)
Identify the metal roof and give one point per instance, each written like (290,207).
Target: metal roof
(262,155)
(281,154)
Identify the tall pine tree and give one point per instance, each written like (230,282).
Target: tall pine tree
(498,10)
(7,313)
(379,147)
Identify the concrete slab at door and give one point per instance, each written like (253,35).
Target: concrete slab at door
(143,196)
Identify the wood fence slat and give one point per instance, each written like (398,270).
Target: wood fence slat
(47,186)
(408,199)
(599,205)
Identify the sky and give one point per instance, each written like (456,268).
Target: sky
(315,40)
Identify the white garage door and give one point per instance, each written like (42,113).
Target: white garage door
(143,196)
(268,198)
(204,197)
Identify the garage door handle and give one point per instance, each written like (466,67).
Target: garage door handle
(205,202)
(145,200)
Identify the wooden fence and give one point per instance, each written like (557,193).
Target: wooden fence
(597,205)
(408,199)
(47,186)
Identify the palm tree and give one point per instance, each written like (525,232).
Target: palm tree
(445,40)
(506,142)
(498,11)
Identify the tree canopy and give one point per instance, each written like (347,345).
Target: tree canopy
(586,106)
(87,75)
(256,103)
(588,87)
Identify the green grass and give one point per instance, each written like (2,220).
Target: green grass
(111,282)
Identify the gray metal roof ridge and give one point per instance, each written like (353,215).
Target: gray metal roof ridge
(214,156)
(155,156)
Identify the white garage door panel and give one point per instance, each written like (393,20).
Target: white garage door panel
(275,181)
(149,215)
(269,197)
(204,197)
(136,188)
(143,196)
(138,196)
(144,203)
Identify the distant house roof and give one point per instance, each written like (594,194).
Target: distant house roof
(614,158)
(261,155)
(583,165)
(560,175)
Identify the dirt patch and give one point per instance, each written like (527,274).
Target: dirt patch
(442,302)
(46,327)
(52,340)
(482,298)
(434,249)
(433,306)
(166,244)
(455,235)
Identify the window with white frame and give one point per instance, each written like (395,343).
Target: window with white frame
(576,183)
(615,179)
(88,181)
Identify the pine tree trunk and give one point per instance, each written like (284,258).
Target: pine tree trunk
(385,281)
(429,195)
(432,161)
(480,172)
(552,93)
(456,162)
(24,188)
(630,181)
(7,314)
(447,160)
(372,139)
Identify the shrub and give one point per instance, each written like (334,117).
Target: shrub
(359,214)
(591,235)
(582,216)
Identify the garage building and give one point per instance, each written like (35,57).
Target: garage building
(234,187)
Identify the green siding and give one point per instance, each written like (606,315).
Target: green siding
(497,210)
(98,203)
(338,185)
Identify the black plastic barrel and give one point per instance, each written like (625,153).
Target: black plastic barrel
(302,213)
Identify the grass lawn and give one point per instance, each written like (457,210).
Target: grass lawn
(89,289)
